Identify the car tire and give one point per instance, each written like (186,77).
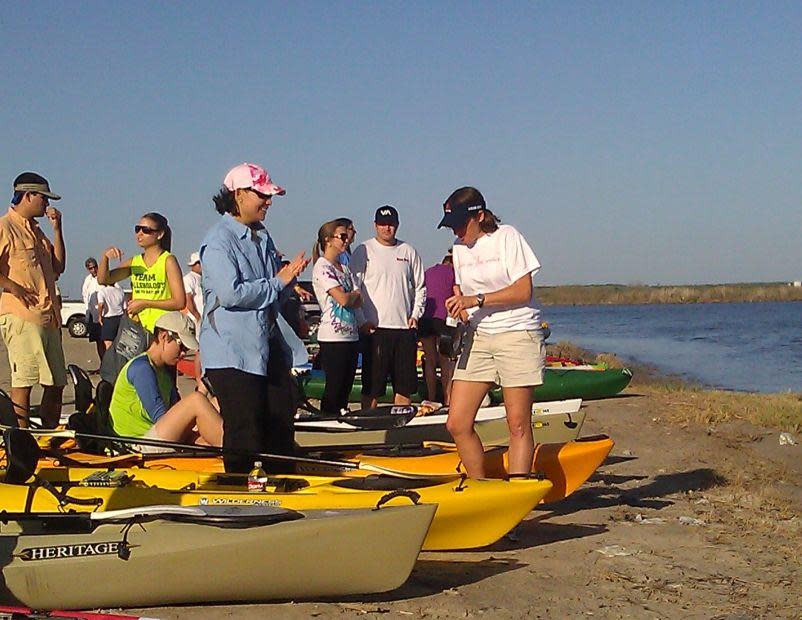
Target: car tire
(77,327)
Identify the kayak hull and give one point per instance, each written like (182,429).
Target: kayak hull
(470,513)
(558,384)
(174,563)
(552,422)
(567,466)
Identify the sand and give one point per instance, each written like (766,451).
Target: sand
(682,520)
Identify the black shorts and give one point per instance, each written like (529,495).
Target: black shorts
(93,331)
(108,331)
(389,352)
(432,326)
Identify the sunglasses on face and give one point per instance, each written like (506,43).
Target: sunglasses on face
(177,339)
(342,236)
(145,230)
(261,195)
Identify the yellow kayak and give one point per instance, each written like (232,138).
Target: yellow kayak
(470,513)
(566,465)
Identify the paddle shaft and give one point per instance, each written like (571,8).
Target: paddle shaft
(160,443)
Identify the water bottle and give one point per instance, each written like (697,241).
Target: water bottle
(257,479)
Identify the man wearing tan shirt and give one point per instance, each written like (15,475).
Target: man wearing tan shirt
(30,320)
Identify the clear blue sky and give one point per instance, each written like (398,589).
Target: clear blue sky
(655,142)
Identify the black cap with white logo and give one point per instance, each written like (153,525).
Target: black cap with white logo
(457,211)
(386,215)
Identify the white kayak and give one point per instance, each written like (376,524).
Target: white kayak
(552,422)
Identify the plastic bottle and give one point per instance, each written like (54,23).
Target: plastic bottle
(257,479)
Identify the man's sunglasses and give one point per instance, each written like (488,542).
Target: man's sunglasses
(145,230)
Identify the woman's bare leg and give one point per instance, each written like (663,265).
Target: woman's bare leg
(466,396)
(193,410)
(430,365)
(518,403)
(446,372)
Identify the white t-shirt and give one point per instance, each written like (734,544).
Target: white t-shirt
(113,300)
(494,262)
(337,323)
(192,286)
(392,284)
(89,295)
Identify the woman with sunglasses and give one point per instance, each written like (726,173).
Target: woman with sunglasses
(339,299)
(494,295)
(245,357)
(157,285)
(145,402)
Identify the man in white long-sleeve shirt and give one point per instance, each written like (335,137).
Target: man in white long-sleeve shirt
(393,297)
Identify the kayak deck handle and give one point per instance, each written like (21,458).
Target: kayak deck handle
(412,495)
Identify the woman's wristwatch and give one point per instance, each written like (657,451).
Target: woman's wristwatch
(480,300)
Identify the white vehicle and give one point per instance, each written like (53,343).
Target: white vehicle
(73,317)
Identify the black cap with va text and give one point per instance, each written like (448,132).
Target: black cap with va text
(457,213)
(386,215)
(32,182)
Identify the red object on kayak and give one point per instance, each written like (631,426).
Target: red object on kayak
(186,367)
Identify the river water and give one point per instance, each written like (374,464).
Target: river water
(754,347)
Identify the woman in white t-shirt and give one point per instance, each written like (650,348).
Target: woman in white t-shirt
(493,268)
(338,332)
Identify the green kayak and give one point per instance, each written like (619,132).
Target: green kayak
(558,384)
(590,384)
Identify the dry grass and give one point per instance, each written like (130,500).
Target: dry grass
(689,404)
(709,293)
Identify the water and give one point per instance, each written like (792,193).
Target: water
(750,347)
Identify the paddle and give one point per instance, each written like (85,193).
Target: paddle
(322,464)
(385,417)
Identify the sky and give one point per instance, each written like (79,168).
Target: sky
(630,142)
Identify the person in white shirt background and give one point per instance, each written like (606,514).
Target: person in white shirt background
(192,287)
(494,294)
(110,309)
(89,296)
(390,274)
(194,308)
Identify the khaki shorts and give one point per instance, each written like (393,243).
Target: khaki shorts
(34,352)
(146,449)
(511,359)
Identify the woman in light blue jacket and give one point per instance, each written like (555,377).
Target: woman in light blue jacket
(245,357)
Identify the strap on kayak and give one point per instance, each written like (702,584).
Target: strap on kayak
(412,495)
(23,455)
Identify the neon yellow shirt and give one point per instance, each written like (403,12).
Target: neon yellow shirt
(142,394)
(150,283)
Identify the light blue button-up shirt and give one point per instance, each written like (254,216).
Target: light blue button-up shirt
(241,296)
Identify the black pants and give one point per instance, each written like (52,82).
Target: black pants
(338,360)
(258,414)
(389,352)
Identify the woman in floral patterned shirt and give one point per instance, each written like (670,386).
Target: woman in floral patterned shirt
(338,333)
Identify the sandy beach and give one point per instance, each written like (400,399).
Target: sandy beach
(686,518)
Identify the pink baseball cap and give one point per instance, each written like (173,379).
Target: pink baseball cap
(251,176)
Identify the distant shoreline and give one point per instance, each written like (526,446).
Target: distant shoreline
(619,294)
